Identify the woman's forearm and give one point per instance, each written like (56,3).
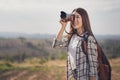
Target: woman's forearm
(60,33)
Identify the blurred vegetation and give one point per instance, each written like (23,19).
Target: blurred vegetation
(19,49)
(111,47)
(35,59)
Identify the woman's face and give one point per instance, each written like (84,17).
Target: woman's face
(77,21)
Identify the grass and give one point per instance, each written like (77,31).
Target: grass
(33,65)
(54,70)
(4,66)
(115,63)
(43,71)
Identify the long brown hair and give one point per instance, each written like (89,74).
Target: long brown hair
(85,22)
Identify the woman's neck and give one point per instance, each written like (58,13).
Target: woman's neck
(80,30)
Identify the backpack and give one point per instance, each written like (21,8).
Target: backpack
(104,68)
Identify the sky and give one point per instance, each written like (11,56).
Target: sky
(43,16)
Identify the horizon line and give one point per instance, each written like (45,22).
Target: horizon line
(49,33)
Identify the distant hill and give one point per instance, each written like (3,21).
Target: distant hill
(19,46)
(18,49)
(25,35)
(108,37)
(46,36)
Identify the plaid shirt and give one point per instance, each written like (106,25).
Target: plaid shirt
(84,68)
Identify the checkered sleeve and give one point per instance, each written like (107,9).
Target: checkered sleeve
(92,56)
(60,42)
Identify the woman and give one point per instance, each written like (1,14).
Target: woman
(79,66)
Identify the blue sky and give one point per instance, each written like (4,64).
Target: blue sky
(42,16)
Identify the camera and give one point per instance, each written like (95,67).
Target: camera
(65,16)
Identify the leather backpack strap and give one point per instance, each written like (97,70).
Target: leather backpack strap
(85,41)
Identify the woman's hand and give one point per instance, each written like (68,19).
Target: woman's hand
(63,23)
(60,33)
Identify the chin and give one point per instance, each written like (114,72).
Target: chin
(75,27)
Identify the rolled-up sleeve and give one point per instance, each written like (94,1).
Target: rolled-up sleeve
(60,42)
(92,56)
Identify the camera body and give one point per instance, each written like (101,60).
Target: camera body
(65,16)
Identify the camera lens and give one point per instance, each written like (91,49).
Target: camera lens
(63,15)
